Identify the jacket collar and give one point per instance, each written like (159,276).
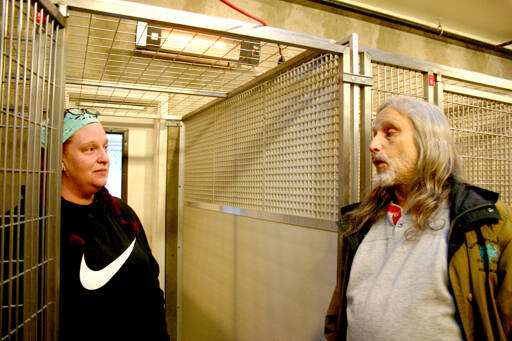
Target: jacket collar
(470,204)
(471,207)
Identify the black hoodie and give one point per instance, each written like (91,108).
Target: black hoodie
(129,305)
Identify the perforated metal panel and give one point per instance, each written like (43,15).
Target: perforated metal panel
(31,92)
(273,147)
(482,130)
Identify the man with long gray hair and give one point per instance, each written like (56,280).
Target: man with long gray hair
(424,256)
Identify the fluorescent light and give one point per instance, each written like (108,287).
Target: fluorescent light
(191,43)
(111,106)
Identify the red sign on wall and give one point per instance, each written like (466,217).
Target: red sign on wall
(38,18)
(431,79)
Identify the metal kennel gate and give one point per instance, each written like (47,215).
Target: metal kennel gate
(338,105)
(31,102)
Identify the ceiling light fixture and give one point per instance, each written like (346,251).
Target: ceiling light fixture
(111,105)
(182,43)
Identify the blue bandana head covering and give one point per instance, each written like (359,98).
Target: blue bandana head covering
(74,119)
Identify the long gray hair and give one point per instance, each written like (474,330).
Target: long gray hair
(437,161)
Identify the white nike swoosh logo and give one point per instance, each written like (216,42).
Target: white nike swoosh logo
(95,279)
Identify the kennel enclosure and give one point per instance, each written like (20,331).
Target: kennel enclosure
(271,130)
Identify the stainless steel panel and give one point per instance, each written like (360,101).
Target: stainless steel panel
(319,224)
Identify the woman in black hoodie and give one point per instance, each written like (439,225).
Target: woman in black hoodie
(109,277)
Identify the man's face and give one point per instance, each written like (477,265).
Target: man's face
(85,160)
(394,151)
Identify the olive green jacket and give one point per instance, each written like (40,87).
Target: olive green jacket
(479,266)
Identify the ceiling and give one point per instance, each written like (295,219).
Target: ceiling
(108,69)
(119,71)
(488,21)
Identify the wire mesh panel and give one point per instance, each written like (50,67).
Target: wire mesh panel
(114,60)
(481,125)
(30,64)
(302,126)
(238,150)
(273,147)
(482,131)
(391,80)
(200,135)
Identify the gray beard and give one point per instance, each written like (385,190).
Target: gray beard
(391,177)
(387,178)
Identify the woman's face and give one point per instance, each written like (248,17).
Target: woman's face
(85,162)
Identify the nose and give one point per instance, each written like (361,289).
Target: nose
(375,144)
(103,156)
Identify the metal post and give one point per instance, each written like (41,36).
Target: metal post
(181,182)
(345,157)
(356,125)
(351,124)
(438,92)
(366,127)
